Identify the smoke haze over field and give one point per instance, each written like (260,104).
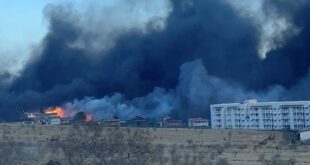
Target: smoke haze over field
(165,57)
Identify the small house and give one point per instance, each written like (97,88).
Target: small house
(54,121)
(170,122)
(110,122)
(198,122)
(51,119)
(32,115)
(304,135)
(138,121)
(26,121)
(65,121)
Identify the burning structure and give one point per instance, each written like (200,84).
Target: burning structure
(46,118)
(57,111)
(55,116)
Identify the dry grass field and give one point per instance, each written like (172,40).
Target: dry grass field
(38,144)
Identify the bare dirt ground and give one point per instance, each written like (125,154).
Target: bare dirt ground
(36,144)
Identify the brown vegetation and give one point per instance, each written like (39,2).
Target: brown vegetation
(94,144)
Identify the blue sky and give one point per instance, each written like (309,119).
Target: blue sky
(22,26)
(22,20)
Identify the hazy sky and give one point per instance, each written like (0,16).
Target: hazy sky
(22,26)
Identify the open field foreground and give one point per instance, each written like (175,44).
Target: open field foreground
(38,144)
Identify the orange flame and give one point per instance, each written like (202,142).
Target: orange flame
(89,117)
(57,110)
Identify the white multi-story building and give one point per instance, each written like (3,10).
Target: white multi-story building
(250,114)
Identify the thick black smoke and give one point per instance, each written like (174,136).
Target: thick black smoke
(228,69)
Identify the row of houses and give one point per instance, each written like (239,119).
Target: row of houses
(191,122)
(167,122)
(250,114)
(114,121)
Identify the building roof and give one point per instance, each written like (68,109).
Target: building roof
(198,119)
(304,130)
(255,103)
(173,120)
(138,118)
(114,118)
(50,114)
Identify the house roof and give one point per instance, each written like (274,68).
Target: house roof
(113,118)
(198,119)
(305,130)
(138,118)
(173,120)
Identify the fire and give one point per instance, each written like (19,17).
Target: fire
(57,110)
(89,117)
(61,113)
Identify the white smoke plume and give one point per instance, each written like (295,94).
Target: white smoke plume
(155,105)
(101,23)
(274,27)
